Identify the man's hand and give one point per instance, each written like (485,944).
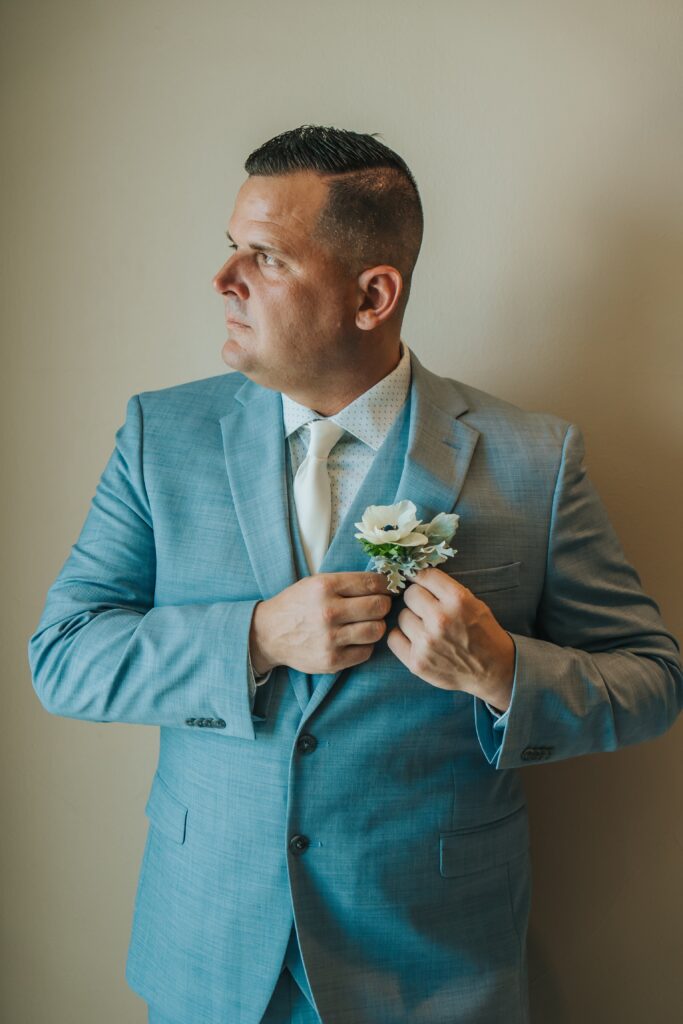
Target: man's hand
(322,623)
(450,638)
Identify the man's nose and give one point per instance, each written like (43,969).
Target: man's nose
(228,280)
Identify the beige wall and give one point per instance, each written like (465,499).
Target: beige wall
(547,141)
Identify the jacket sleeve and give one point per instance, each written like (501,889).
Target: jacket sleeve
(254,682)
(103,652)
(601,671)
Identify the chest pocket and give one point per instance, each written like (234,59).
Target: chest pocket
(488,580)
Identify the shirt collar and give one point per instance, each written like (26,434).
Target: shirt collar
(370,416)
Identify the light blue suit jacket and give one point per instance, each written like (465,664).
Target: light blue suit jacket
(384,813)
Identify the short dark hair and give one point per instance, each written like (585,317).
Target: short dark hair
(373,212)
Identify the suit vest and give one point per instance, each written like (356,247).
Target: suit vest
(386,475)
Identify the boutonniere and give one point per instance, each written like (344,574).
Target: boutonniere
(400,544)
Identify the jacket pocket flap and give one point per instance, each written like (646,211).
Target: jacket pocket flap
(165,810)
(483,581)
(475,849)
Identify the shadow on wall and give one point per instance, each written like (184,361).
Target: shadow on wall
(616,361)
(605,907)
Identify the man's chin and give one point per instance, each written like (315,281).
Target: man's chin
(234,355)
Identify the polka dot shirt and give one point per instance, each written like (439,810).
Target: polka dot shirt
(366,421)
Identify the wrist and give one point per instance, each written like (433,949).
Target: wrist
(261,660)
(501,698)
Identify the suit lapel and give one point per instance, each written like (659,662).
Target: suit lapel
(424,458)
(431,468)
(254,447)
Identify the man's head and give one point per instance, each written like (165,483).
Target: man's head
(342,215)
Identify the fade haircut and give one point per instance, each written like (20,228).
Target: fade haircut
(373,213)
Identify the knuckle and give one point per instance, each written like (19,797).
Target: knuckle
(440,621)
(418,663)
(329,614)
(419,656)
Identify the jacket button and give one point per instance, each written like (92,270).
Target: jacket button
(201,722)
(306,743)
(298,844)
(190,721)
(531,754)
(219,723)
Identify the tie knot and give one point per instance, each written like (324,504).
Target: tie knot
(324,435)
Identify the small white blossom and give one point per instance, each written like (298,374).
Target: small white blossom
(400,544)
(387,524)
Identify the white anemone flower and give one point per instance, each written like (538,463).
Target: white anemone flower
(391,524)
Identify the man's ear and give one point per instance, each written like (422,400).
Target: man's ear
(379,290)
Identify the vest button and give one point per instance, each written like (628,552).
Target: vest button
(298,844)
(306,743)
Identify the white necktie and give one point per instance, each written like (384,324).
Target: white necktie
(312,495)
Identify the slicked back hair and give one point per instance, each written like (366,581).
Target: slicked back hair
(373,213)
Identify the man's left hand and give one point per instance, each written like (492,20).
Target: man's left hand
(448,637)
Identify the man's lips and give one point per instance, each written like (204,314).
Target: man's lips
(234,323)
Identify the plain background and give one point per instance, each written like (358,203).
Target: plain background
(547,142)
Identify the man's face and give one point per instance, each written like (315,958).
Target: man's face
(294,304)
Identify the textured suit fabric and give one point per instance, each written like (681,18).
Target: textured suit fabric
(366,421)
(287,1005)
(384,817)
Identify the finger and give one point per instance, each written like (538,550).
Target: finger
(356,655)
(361,609)
(420,600)
(437,582)
(399,644)
(441,585)
(360,633)
(357,584)
(410,623)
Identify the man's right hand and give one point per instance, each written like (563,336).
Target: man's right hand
(322,623)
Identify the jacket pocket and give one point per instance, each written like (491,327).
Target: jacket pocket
(475,849)
(484,581)
(165,811)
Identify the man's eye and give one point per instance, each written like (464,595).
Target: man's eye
(267,255)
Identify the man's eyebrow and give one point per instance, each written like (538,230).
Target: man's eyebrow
(261,247)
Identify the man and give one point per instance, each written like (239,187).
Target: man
(344,837)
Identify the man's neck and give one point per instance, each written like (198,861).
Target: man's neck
(329,407)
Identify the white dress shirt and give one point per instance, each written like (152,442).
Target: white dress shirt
(366,421)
